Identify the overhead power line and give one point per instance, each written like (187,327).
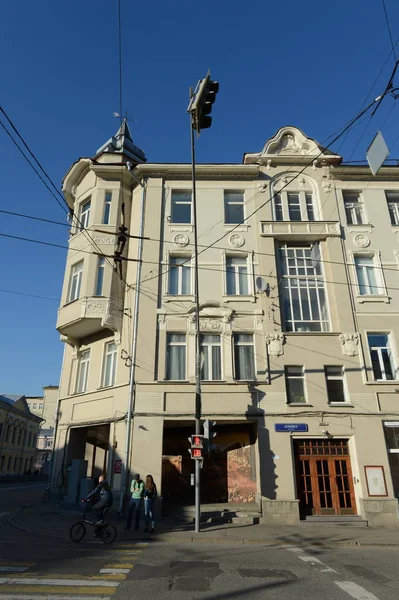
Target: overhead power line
(389,30)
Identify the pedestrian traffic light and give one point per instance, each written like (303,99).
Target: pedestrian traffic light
(209,435)
(201,103)
(197,445)
(197,441)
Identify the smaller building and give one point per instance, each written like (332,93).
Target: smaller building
(44,449)
(45,406)
(19,429)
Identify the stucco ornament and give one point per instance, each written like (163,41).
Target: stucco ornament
(236,240)
(181,240)
(350,343)
(361,240)
(275,343)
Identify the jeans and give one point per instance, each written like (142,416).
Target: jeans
(134,506)
(99,509)
(149,512)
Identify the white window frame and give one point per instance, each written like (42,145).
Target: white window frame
(300,377)
(287,289)
(189,265)
(84,213)
(250,275)
(180,344)
(351,205)
(210,346)
(252,344)
(342,378)
(78,274)
(376,256)
(388,425)
(365,268)
(107,206)
(114,363)
(234,203)
(394,359)
(100,265)
(303,200)
(172,203)
(83,364)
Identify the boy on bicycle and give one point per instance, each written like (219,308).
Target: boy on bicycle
(105,502)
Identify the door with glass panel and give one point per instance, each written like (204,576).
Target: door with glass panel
(324,478)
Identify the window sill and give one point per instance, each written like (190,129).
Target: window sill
(383,382)
(299,404)
(181,227)
(340,404)
(246,298)
(361,298)
(231,227)
(182,298)
(363,228)
(174,381)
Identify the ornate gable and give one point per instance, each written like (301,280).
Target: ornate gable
(290,145)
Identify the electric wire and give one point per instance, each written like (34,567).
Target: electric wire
(389,30)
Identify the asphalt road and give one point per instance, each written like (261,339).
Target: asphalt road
(13,495)
(34,567)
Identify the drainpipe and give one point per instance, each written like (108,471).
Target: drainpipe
(57,413)
(132,382)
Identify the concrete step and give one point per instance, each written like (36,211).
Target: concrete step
(335,521)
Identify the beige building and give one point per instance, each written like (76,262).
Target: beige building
(297,276)
(18,435)
(45,406)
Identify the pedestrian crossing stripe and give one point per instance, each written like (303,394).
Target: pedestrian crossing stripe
(53,589)
(119,565)
(25,577)
(54,597)
(33,581)
(12,569)
(15,563)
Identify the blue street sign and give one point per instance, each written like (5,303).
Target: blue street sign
(290,427)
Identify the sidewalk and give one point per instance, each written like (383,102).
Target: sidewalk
(54,521)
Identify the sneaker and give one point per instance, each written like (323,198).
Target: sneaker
(146,530)
(126,527)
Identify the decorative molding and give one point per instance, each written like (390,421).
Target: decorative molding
(181,240)
(211,324)
(327,186)
(361,240)
(350,343)
(275,343)
(236,240)
(162,321)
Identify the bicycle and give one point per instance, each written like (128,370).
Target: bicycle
(106,531)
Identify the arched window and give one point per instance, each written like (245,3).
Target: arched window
(294,199)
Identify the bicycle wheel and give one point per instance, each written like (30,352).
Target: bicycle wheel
(108,533)
(77,532)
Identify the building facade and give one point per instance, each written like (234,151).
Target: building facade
(297,283)
(19,429)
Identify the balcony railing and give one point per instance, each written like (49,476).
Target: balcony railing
(304,230)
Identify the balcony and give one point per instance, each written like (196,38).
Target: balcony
(88,315)
(300,230)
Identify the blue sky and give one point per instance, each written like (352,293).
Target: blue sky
(308,64)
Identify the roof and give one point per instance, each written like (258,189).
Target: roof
(122,143)
(11,399)
(47,432)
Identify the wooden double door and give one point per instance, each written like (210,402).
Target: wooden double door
(324,477)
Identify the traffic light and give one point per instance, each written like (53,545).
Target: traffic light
(209,435)
(197,445)
(201,104)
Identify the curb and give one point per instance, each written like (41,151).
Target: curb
(193,539)
(271,543)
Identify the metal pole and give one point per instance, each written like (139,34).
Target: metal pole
(133,354)
(197,339)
